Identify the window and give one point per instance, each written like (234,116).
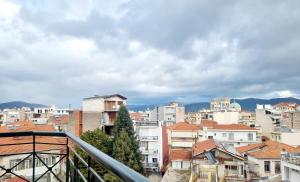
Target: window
(231,136)
(250,136)
(210,137)
(277,167)
(224,134)
(215,134)
(154,160)
(267,166)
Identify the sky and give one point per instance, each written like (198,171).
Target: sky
(60,51)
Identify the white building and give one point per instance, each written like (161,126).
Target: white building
(170,114)
(231,134)
(226,117)
(290,167)
(150,136)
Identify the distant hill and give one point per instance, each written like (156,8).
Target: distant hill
(248,104)
(18,104)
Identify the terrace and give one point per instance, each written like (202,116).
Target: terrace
(54,156)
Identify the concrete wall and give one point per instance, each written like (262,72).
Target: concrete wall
(227,117)
(93,105)
(264,121)
(291,138)
(259,167)
(91,120)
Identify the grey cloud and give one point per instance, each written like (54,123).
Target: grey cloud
(151,51)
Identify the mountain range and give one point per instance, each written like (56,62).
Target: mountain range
(19,104)
(248,104)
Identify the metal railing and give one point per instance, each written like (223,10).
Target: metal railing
(66,157)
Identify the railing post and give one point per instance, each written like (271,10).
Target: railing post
(76,168)
(89,166)
(67,161)
(33,158)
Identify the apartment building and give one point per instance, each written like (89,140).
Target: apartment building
(264,159)
(247,118)
(18,155)
(101,111)
(217,104)
(290,165)
(140,115)
(286,106)
(292,119)
(183,135)
(267,119)
(286,135)
(193,117)
(150,136)
(170,114)
(230,134)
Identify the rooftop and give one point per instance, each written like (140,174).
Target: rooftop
(180,154)
(203,146)
(184,126)
(267,150)
(105,97)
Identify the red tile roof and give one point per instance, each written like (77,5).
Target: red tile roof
(179,154)
(184,126)
(27,126)
(208,123)
(249,147)
(203,146)
(25,148)
(268,150)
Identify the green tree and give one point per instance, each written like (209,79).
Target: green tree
(101,141)
(125,144)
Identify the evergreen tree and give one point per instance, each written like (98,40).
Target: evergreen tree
(125,144)
(101,141)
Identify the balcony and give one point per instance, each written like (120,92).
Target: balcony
(148,138)
(292,158)
(150,165)
(146,123)
(148,151)
(51,156)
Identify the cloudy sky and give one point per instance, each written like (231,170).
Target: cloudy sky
(60,51)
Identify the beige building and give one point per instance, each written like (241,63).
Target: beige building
(220,104)
(170,114)
(292,119)
(247,118)
(267,119)
(226,117)
(101,111)
(286,136)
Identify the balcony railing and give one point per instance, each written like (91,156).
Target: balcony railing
(147,138)
(292,158)
(146,123)
(30,157)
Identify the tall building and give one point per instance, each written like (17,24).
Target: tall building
(220,104)
(292,119)
(170,114)
(150,137)
(101,111)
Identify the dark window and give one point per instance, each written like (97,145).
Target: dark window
(267,166)
(277,167)
(154,160)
